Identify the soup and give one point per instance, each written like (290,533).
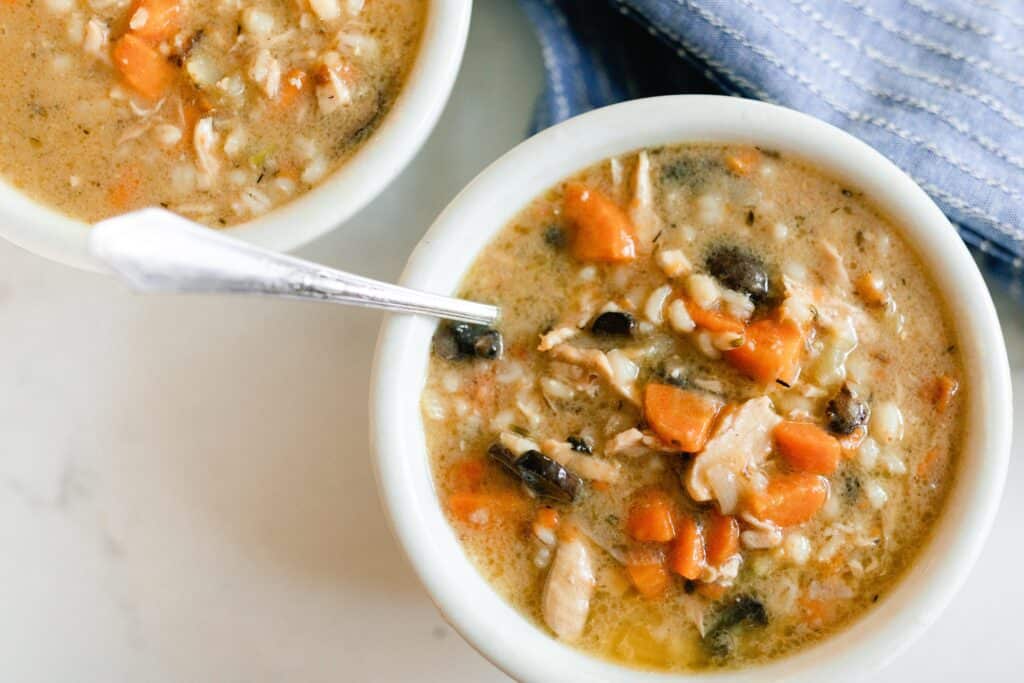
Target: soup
(219,111)
(720,415)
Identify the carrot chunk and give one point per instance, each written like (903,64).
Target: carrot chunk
(770,351)
(713,321)
(743,161)
(650,517)
(603,232)
(722,533)
(157,19)
(143,68)
(807,447)
(687,555)
(680,417)
(790,499)
(648,575)
(482,508)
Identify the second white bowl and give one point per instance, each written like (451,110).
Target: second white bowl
(469,223)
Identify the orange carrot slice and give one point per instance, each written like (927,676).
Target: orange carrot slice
(687,554)
(650,517)
(680,417)
(770,351)
(713,321)
(162,19)
(603,232)
(807,447)
(722,534)
(790,499)
(648,575)
(142,67)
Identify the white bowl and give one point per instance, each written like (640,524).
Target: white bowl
(391,147)
(439,262)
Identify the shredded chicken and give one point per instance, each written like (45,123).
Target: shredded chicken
(205,141)
(739,445)
(565,602)
(620,376)
(265,72)
(557,336)
(629,443)
(833,270)
(332,91)
(641,209)
(762,534)
(587,466)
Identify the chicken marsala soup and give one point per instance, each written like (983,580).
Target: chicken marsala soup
(216,109)
(718,419)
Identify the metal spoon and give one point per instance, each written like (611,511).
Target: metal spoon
(158,251)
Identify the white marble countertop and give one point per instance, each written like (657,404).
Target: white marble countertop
(185,486)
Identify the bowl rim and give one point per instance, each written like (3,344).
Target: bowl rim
(36,227)
(442,257)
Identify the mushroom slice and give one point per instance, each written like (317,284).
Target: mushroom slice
(739,445)
(565,602)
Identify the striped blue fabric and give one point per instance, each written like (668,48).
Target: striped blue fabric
(935,85)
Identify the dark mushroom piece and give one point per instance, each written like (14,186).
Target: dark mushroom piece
(547,478)
(613,323)
(580,445)
(739,269)
(504,456)
(458,341)
(845,413)
(746,611)
(555,237)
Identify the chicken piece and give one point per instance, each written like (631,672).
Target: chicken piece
(587,466)
(265,72)
(739,445)
(614,367)
(833,270)
(204,139)
(629,443)
(557,336)
(333,83)
(641,209)
(570,583)
(761,534)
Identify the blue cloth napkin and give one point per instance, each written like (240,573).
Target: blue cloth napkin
(935,85)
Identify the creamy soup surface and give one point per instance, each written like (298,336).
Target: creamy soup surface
(719,417)
(217,109)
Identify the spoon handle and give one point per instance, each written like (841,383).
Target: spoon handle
(158,251)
